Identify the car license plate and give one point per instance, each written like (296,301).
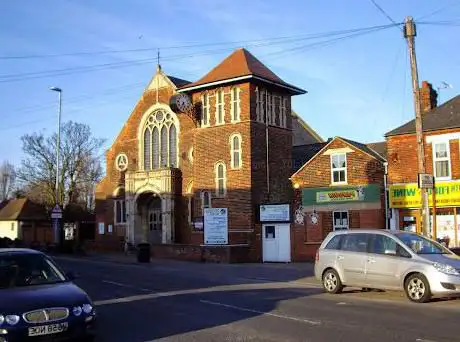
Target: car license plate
(48,329)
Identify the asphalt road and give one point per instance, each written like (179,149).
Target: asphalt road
(179,301)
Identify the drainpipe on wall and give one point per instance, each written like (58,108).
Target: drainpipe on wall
(386,194)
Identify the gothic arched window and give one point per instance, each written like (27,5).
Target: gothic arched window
(160,141)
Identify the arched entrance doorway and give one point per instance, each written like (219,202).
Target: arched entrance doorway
(151,217)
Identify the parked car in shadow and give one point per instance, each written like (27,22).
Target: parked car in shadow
(39,301)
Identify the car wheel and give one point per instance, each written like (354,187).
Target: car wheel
(417,288)
(332,282)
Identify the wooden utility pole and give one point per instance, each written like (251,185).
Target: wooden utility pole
(409,33)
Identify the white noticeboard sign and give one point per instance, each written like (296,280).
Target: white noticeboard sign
(274,213)
(215,226)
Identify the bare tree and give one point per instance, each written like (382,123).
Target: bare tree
(7,178)
(79,165)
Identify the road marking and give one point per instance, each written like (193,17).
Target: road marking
(125,285)
(262,312)
(423,340)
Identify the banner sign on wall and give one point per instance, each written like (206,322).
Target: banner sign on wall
(341,194)
(215,226)
(409,195)
(275,213)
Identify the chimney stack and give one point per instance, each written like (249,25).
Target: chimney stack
(428,97)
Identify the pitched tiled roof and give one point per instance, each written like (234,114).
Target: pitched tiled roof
(379,147)
(303,153)
(443,117)
(23,209)
(364,148)
(178,82)
(241,63)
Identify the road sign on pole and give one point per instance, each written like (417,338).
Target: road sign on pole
(56,213)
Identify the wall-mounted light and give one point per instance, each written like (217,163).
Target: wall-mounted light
(296,185)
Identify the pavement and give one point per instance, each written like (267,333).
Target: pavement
(168,300)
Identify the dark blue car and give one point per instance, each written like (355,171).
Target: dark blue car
(39,302)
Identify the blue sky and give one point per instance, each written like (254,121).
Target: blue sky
(358,88)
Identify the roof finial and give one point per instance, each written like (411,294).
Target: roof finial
(158,61)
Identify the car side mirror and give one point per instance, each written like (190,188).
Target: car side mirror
(71,275)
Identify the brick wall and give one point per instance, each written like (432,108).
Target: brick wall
(402,157)
(246,186)
(362,169)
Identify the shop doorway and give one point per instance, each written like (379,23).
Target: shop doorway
(276,243)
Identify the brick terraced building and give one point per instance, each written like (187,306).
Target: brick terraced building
(441,137)
(188,146)
(338,185)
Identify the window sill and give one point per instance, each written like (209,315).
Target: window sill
(443,179)
(235,121)
(220,124)
(338,184)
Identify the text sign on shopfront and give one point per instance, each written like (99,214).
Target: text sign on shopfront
(409,195)
(345,194)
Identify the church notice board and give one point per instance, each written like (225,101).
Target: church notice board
(216,226)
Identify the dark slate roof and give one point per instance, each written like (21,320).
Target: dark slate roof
(364,148)
(178,82)
(443,117)
(303,153)
(23,209)
(379,147)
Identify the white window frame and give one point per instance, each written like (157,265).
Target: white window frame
(340,226)
(269,109)
(283,116)
(122,205)
(216,169)
(235,103)
(220,106)
(448,159)
(167,121)
(273,98)
(339,169)
(232,152)
(205,110)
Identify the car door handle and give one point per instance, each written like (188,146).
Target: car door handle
(371,260)
(340,257)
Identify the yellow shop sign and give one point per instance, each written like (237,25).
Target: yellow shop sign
(409,195)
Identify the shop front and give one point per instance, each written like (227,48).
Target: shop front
(405,203)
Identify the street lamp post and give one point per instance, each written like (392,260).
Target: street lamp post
(57,213)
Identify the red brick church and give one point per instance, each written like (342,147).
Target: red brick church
(224,141)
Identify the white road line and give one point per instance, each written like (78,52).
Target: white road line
(262,313)
(423,340)
(125,285)
(114,283)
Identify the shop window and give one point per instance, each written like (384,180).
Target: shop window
(441,160)
(339,168)
(340,220)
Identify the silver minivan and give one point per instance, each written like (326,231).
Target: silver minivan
(387,260)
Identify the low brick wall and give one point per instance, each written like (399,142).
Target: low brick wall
(218,254)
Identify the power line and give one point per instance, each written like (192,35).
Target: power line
(325,43)
(452,4)
(383,11)
(105,66)
(89,53)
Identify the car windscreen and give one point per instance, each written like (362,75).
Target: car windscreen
(421,245)
(27,270)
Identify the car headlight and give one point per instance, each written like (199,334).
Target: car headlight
(12,319)
(445,269)
(87,308)
(2,319)
(77,311)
